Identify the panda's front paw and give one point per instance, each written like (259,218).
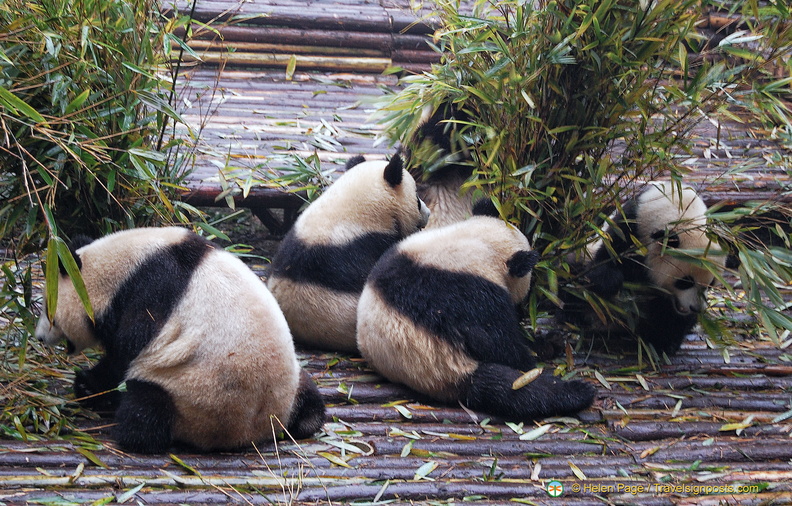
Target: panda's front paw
(92,394)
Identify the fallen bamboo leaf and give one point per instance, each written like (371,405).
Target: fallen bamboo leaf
(77,472)
(394,432)
(91,457)
(649,451)
(394,403)
(381,491)
(516,427)
(424,470)
(677,407)
(782,417)
(184,465)
(737,427)
(403,411)
(129,494)
(350,446)
(291,67)
(462,437)
(535,472)
(602,380)
(536,433)
(575,469)
(527,378)
(407,448)
(642,381)
(335,459)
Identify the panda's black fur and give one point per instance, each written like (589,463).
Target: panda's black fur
(161,299)
(668,293)
(322,264)
(439,314)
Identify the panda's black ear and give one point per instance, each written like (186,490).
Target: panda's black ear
(76,243)
(485,207)
(394,171)
(355,160)
(522,263)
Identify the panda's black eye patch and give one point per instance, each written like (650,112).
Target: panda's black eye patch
(671,238)
(685,283)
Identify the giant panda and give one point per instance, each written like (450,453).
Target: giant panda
(440,165)
(203,349)
(668,221)
(438,314)
(319,270)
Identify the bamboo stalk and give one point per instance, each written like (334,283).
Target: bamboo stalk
(373,65)
(384,41)
(648,431)
(225,46)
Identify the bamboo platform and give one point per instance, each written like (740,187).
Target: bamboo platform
(712,426)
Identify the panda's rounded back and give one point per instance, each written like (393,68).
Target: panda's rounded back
(480,246)
(360,202)
(226,357)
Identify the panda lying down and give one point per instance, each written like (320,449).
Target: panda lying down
(438,314)
(203,347)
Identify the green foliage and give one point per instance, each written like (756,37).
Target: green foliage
(572,104)
(85,108)
(81,108)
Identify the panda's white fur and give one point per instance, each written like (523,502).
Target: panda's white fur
(320,268)
(665,216)
(438,314)
(202,345)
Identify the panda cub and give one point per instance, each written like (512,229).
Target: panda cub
(439,315)
(322,263)
(202,346)
(669,221)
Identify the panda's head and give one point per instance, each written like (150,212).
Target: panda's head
(484,246)
(673,217)
(70,321)
(371,196)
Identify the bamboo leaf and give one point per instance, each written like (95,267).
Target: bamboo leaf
(527,378)
(91,457)
(576,470)
(19,107)
(536,433)
(184,465)
(423,472)
(335,459)
(291,67)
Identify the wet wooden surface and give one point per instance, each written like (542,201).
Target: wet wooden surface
(696,430)
(701,420)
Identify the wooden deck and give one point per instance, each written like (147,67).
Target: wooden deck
(710,427)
